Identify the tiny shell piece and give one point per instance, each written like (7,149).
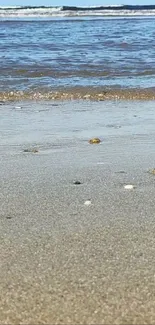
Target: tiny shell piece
(129,187)
(88,202)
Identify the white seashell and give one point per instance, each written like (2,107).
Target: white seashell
(88,202)
(129,187)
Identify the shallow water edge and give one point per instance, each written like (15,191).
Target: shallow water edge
(84,93)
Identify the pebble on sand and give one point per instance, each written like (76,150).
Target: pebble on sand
(33,150)
(88,202)
(129,187)
(94,141)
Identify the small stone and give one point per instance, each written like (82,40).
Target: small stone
(87,96)
(94,141)
(33,150)
(88,202)
(129,187)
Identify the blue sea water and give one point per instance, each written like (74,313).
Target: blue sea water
(58,53)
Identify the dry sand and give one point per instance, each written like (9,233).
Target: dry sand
(62,262)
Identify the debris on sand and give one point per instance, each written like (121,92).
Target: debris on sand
(88,202)
(77,183)
(31,150)
(129,187)
(94,141)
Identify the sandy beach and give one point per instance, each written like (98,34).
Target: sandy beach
(63,262)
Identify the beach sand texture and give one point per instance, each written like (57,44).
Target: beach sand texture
(63,262)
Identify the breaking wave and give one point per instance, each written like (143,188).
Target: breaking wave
(72,11)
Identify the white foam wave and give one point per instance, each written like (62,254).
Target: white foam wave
(30,12)
(10,12)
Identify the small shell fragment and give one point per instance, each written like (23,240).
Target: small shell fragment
(88,202)
(94,141)
(129,187)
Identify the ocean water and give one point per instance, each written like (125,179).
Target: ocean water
(53,54)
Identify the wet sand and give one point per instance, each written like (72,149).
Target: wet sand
(82,93)
(63,262)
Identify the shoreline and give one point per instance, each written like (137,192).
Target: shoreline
(82,93)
